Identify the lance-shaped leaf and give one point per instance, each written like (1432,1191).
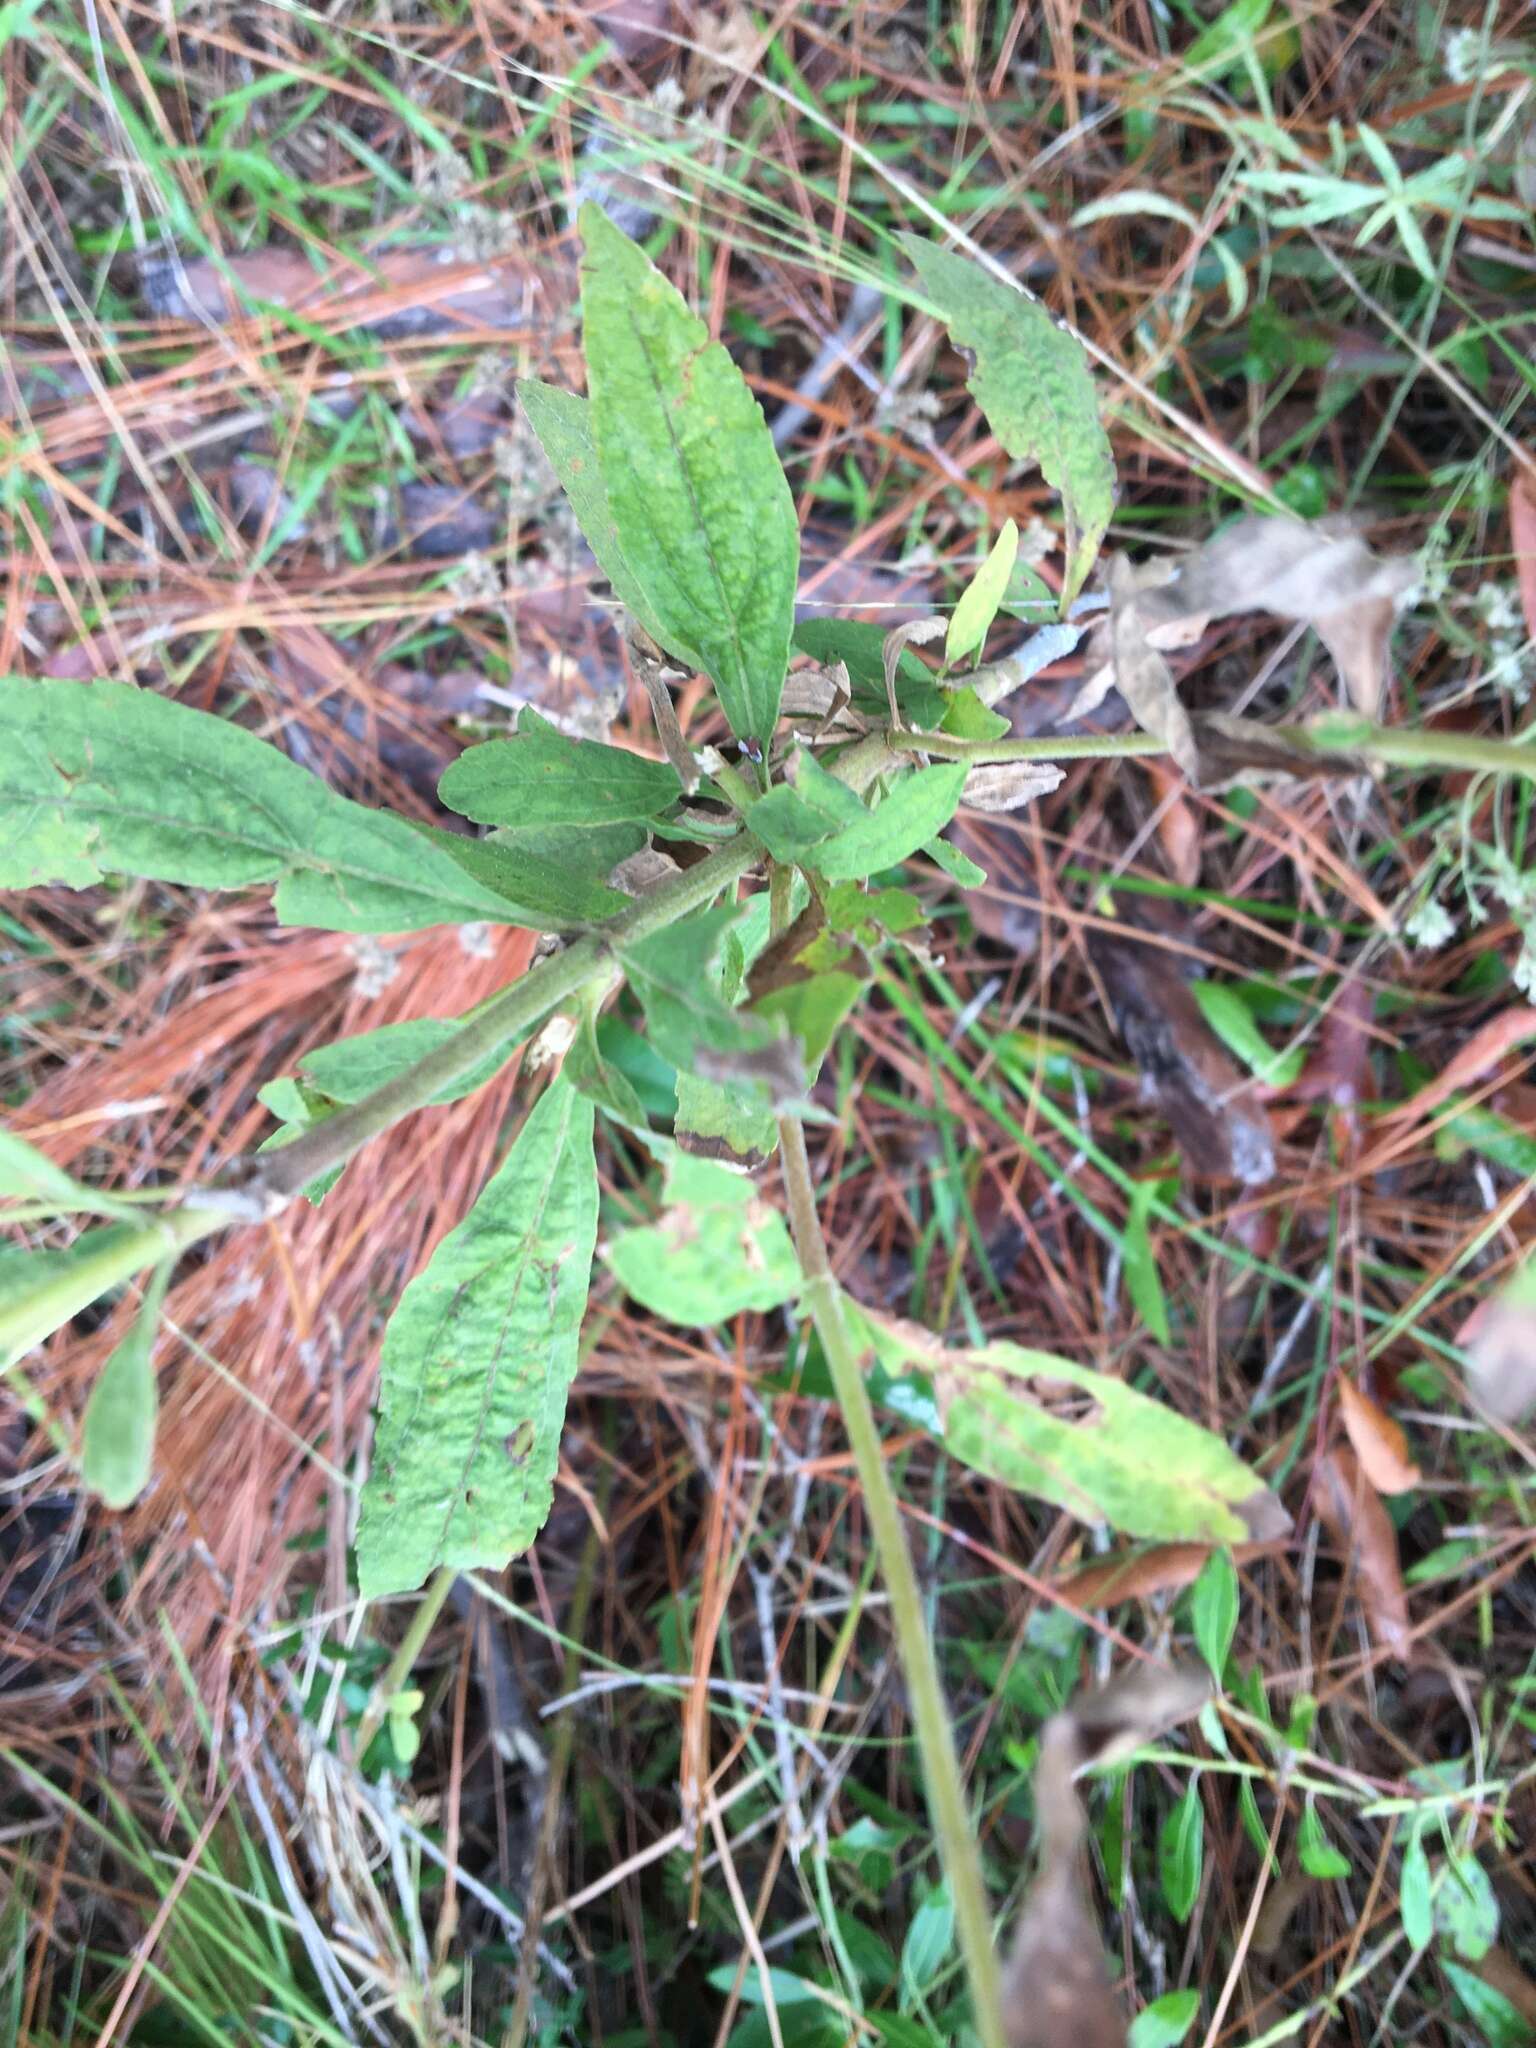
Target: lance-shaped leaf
(982,598)
(29,1176)
(563,424)
(703,513)
(919,805)
(478,1360)
(99,779)
(539,777)
(1031,380)
(1059,1432)
(117,1436)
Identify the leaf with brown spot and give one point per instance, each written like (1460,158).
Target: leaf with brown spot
(1378,1441)
(1350,1510)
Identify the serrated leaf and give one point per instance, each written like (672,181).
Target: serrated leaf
(1031,380)
(860,648)
(1181,1853)
(477,1362)
(540,777)
(704,515)
(1060,1432)
(563,424)
(718,1249)
(1213,1611)
(981,600)
(1165,2022)
(99,779)
(117,1434)
(918,807)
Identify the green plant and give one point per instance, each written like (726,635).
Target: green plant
(671,471)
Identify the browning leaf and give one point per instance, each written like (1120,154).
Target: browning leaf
(1499,1338)
(1009,785)
(1056,1989)
(1379,1442)
(1144,679)
(1351,1511)
(1217,1118)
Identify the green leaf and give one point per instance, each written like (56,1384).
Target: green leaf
(1467,1907)
(601,1081)
(717,1249)
(866,913)
(672,974)
(1031,380)
(25,1274)
(930,1941)
(539,777)
(959,866)
(1317,1855)
(590,852)
(1219,47)
(117,1437)
(1143,1281)
(30,1176)
(477,1362)
(533,886)
(982,598)
(1181,1853)
(1086,1441)
(704,514)
(918,807)
(1213,1611)
(860,647)
(1415,1901)
(1165,2022)
(1497,2019)
(967,718)
(813,1009)
(795,818)
(1029,597)
(99,778)
(563,424)
(1234,1024)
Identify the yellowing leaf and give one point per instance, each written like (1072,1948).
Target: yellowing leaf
(1060,1432)
(717,1249)
(982,597)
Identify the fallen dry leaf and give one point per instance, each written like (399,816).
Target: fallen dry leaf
(401,292)
(1142,676)
(1482,1051)
(1499,1338)
(1009,785)
(1141,1574)
(1056,1990)
(1350,1510)
(1379,1442)
(1218,1120)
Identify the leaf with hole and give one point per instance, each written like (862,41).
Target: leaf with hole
(1031,380)
(704,517)
(540,777)
(477,1361)
(1086,1441)
(716,1250)
(99,779)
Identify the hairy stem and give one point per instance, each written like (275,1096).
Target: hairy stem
(121,1251)
(935,1738)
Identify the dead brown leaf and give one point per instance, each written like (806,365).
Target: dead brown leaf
(1522,540)
(1499,1338)
(1378,1441)
(1142,676)
(1056,1990)
(1221,1125)
(1350,1509)
(1482,1051)
(1009,785)
(1141,1574)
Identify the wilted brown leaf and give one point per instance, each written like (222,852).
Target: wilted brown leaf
(1350,1509)
(1056,1990)
(1142,676)
(1499,1338)
(1483,1050)
(1140,1574)
(1009,785)
(1378,1441)
(1217,1118)
(1522,541)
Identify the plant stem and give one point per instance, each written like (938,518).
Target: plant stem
(121,1251)
(935,1739)
(403,1662)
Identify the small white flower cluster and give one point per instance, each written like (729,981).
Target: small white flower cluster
(1429,925)
(1466,55)
(1511,660)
